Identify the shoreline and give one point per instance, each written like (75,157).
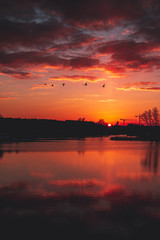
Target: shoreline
(48,139)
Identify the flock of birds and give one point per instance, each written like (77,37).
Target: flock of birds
(63,84)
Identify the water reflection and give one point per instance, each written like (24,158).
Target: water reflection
(53,189)
(150,162)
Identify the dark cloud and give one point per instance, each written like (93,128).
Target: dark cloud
(22,59)
(129,54)
(18,74)
(18,64)
(90,12)
(61,33)
(124,46)
(83,62)
(147,26)
(75,40)
(79,39)
(22,34)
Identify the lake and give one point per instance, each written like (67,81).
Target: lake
(91,187)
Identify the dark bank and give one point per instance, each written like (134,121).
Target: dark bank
(17,129)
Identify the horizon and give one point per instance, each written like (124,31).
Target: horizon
(107,124)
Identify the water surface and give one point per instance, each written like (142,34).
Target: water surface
(88,187)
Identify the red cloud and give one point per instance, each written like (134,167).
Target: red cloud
(17,74)
(76,78)
(152,89)
(129,55)
(140,86)
(83,62)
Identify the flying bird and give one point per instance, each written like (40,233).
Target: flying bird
(52,85)
(45,83)
(103,85)
(63,84)
(85,84)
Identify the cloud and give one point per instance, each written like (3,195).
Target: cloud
(7,98)
(30,58)
(42,86)
(92,13)
(74,99)
(78,39)
(17,74)
(69,35)
(77,78)
(143,83)
(122,46)
(17,33)
(25,59)
(83,62)
(107,100)
(152,89)
(141,86)
(129,55)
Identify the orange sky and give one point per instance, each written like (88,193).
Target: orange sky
(54,44)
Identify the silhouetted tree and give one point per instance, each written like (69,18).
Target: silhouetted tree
(102,122)
(1,116)
(155,115)
(151,117)
(81,119)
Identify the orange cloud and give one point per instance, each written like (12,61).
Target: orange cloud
(7,98)
(42,86)
(152,89)
(137,86)
(77,78)
(106,100)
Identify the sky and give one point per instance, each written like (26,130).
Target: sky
(45,43)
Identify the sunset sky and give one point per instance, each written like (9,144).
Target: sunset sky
(111,42)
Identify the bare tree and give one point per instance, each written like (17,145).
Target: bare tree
(155,116)
(150,117)
(102,122)
(81,119)
(145,118)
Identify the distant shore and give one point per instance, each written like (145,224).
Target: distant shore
(23,130)
(134,138)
